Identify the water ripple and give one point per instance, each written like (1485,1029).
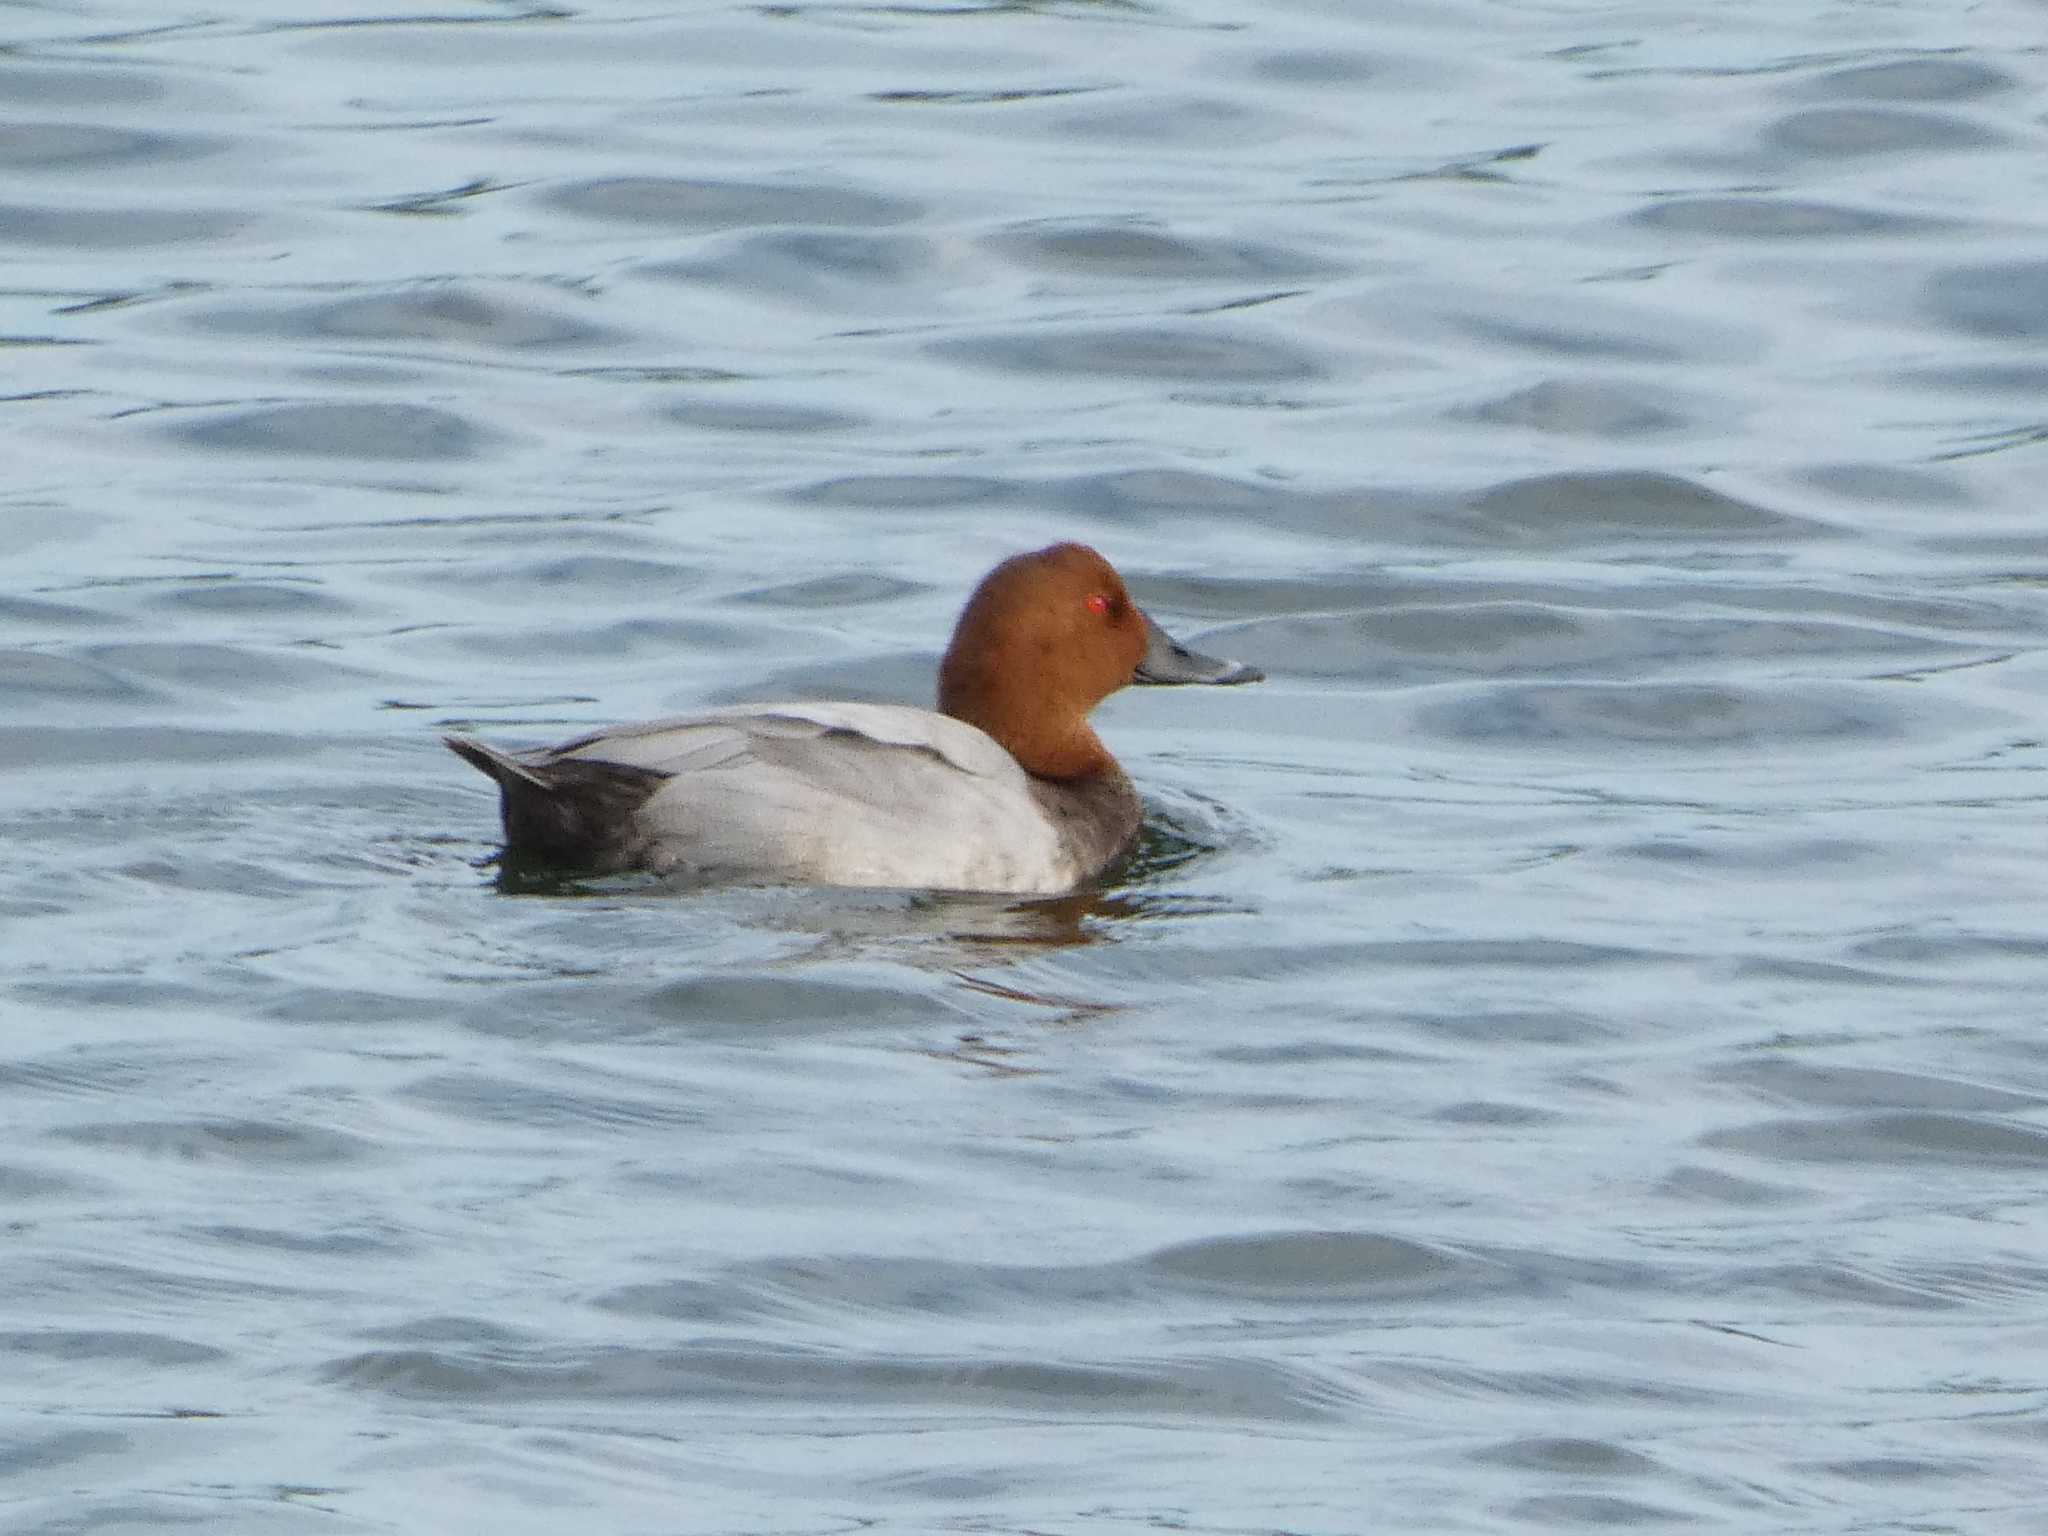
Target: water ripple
(1564,1050)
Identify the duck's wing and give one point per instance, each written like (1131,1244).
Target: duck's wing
(715,738)
(841,794)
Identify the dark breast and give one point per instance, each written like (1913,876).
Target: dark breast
(1097,817)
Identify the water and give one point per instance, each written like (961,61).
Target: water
(1570,1053)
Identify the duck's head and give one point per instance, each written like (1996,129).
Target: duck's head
(1045,638)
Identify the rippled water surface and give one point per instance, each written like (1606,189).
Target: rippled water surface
(1572,1050)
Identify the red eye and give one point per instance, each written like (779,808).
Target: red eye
(1098,603)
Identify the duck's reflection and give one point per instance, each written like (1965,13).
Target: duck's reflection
(982,944)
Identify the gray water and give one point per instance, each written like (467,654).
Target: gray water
(1572,1050)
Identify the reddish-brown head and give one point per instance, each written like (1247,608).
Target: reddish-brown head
(1043,640)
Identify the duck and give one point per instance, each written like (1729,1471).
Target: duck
(1004,788)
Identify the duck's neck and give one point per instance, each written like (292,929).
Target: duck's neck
(1047,743)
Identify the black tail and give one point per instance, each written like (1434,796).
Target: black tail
(502,766)
(570,812)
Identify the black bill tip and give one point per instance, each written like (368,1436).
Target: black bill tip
(1167,661)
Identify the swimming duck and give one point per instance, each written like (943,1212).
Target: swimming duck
(1005,788)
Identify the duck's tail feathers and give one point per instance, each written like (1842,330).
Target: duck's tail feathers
(569,812)
(501,766)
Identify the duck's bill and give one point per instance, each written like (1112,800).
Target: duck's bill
(1168,661)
